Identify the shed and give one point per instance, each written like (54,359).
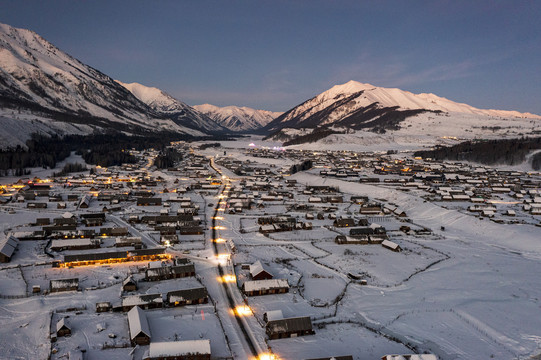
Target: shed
(129,284)
(64,285)
(138,325)
(103,306)
(289,327)
(145,301)
(63,328)
(7,248)
(273,315)
(259,272)
(391,245)
(188,296)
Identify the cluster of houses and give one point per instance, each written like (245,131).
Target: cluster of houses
(165,211)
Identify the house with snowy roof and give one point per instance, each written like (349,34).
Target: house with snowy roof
(259,272)
(265,287)
(7,248)
(62,327)
(145,301)
(192,296)
(138,326)
(64,285)
(289,327)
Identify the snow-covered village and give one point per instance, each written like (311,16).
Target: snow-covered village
(235,254)
(279,180)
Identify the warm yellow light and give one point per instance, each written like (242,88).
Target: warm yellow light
(267,356)
(219,240)
(218,217)
(243,310)
(220,228)
(227,278)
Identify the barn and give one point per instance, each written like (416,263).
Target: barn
(289,327)
(188,296)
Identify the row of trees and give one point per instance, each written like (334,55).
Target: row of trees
(167,158)
(315,135)
(104,149)
(489,152)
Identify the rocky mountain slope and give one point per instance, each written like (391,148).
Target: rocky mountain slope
(239,119)
(354,106)
(44,89)
(181,113)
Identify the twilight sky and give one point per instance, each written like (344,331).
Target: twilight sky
(276,54)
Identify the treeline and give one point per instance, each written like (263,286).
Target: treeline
(70,168)
(489,152)
(167,158)
(209,145)
(305,165)
(104,149)
(317,134)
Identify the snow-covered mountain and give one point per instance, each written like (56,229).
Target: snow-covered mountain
(236,118)
(364,106)
(44,89)
(179,112)
(398,113)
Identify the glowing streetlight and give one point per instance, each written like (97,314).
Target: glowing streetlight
(267,356)
(228,278)
(243,310)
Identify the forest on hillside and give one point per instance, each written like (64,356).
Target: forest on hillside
(489,152)
(105,149)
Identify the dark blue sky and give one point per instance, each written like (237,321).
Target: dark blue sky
(275,54)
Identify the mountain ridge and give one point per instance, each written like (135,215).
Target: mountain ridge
(238,118)
(45,89)
(359,106)
(173,108)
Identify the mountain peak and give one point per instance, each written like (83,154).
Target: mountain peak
(355,105)
(350,87)
(237,118)
(178,111)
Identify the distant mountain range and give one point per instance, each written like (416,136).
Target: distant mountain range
(176,110)
(368,108)
(240,119)
(45,90)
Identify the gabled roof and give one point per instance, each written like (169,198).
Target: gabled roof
(138,322)
(61,323)
(257,268)
(8,246)
(128,280)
